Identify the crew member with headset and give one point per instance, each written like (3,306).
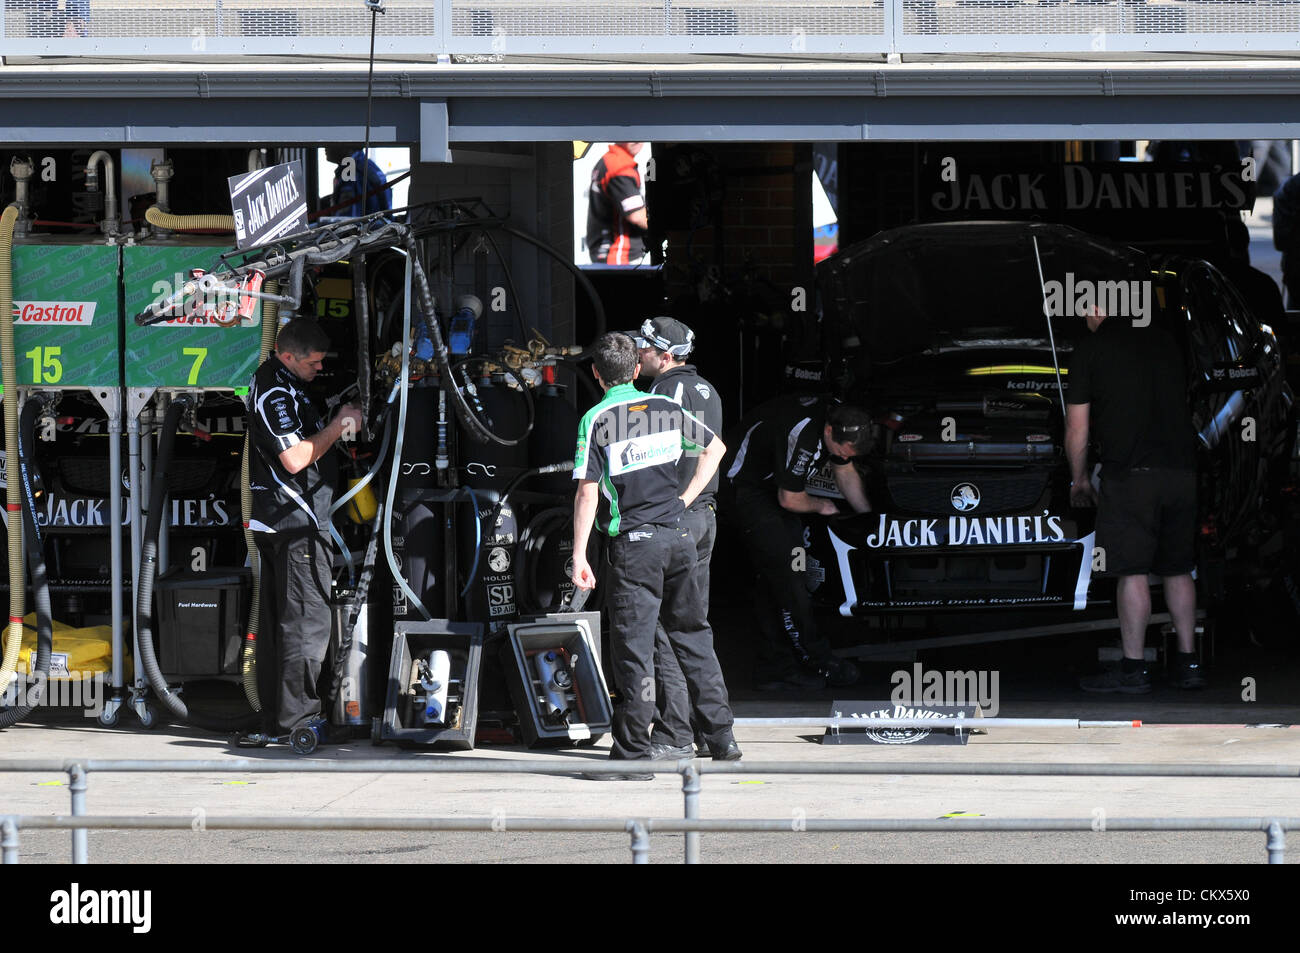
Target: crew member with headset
(626,468)
(784,441)
(663,344)
(292,475)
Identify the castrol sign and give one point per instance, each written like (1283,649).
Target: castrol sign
(81,313)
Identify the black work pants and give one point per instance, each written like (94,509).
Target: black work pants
(773,539)
(672,701)
(294,629)
(652,577)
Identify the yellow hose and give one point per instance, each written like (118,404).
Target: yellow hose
(13,500)
(183,223)
(270,319)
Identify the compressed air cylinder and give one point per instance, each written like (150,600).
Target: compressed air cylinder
(435,687)
(552,440)
(555,679)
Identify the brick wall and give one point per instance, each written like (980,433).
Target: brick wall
(764,222)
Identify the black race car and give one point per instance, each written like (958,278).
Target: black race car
(942,331)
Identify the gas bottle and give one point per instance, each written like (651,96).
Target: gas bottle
(554,438)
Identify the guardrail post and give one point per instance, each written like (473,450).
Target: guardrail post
(9,841)
(442,23)
(640,842)
(1276,843)
(77,784)
(691,795)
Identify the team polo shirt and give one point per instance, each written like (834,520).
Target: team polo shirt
(280,415)
(629,444)
(684,385)
(782,444)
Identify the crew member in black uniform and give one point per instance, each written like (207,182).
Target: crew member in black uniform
(1128,390)
(292,475)
(626,468)
(783,442)
(664,344)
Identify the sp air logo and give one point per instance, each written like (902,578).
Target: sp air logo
(965,497)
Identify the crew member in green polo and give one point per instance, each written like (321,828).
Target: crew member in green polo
(626,468)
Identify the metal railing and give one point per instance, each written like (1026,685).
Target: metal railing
(637,28)
(639,828)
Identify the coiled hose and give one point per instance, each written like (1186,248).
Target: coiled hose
(13,504)
(248,657)
(144,585)
(188,223)
(36,564)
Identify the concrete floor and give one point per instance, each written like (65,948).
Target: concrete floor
(730,796)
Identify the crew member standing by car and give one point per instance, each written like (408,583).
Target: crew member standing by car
(1128,391)
(663,344)
(616,213)
(292,475)
(626,468)
(784,441)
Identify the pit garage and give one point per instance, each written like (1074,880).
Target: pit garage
(869,200)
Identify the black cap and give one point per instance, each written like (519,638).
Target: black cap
(666,334)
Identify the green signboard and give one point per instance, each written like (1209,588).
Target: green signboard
(67,325)
(191,349)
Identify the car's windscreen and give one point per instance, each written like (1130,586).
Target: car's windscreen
(978,285)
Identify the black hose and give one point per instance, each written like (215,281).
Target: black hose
(361,295)
(517,481)
(144,585)
(428,315)
(597,307)
(34,550)
(539,530)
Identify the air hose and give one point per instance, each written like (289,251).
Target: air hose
(144,585)
(36,563)
(188,223)
(17,581)
(428,315)
(540,529)
(248,657)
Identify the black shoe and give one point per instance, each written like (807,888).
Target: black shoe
(840,673)
(254,739)
(731,752)
(1189,675)
(660,752)
(1117,680)
(792,682)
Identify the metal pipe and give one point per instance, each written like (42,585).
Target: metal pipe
(109,223)
(666,825)
(1276,843)
(691,795)
(134,476)
(489,766)
(77,785)
(640,842)
(871,724)
(115,541)
(22,169)
(9,840)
